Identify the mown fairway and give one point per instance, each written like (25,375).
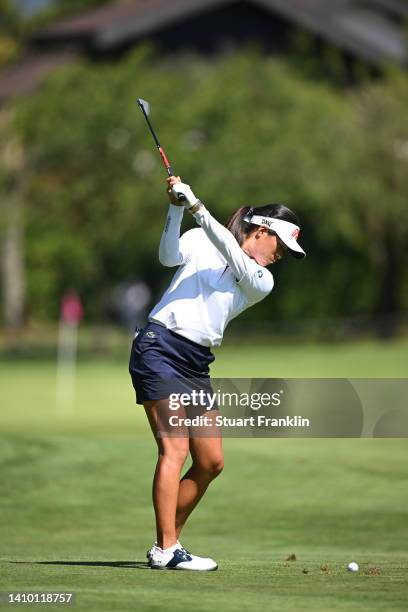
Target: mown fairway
(75,503)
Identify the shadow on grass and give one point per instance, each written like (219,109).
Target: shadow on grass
(126,564)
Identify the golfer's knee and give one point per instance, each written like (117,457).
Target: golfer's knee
(211,467)
(174,455)
(217,467)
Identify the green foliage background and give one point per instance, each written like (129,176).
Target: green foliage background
(242,129)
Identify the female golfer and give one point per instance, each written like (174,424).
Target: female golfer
(222,271)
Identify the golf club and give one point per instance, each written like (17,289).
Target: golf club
(145,108)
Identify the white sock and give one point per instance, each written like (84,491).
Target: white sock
(155,545)
(171,549)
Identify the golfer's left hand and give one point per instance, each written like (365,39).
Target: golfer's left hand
(172,180)
(185,190)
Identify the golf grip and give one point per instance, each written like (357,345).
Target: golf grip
(169,169)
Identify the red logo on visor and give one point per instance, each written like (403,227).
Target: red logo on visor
(295,234)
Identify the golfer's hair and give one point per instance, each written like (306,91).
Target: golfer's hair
(241,229)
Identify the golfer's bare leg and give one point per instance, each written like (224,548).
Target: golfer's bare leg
(172,455)
(208,462)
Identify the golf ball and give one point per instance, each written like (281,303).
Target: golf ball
(352,567)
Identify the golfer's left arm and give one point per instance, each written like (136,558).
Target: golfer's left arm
(255,280)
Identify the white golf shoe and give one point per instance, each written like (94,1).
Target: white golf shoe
(149,553)
(177,558)
(151,550)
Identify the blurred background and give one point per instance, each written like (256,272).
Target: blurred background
(255,102)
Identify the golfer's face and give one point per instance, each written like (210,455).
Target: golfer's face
(269,249)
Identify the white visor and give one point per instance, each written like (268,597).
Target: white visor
(287,232)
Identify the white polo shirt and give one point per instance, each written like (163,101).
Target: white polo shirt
(215,282)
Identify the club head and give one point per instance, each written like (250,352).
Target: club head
(144,106)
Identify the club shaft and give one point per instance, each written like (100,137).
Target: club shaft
(156,140)
(159,147)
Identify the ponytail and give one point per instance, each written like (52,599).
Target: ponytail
(237,226)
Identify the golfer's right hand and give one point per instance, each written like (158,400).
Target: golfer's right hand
(172,180)
(183,192)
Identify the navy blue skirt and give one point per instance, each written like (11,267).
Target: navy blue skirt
(163,362)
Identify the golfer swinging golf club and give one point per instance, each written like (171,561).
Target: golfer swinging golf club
(222,270)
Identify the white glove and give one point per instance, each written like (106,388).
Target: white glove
(182,189)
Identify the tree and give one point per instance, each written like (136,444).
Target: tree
(382,195)
(11,180)
(10,33)
(12,176)
(96,203)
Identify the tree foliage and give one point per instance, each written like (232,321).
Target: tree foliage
(243,129)
(62,9)
(10,33)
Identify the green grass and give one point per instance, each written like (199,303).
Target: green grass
(349,359)
(75,503)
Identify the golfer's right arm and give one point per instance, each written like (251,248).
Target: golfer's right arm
(173,249)
(171,252)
